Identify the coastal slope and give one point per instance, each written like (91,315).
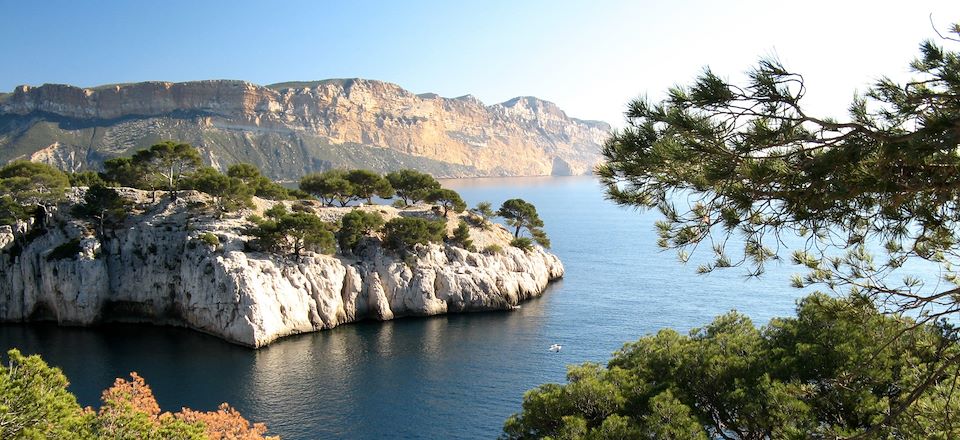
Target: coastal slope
(291,129)
(157,269)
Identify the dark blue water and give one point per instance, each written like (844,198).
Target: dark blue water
(453,376)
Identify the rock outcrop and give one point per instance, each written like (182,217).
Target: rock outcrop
(290,129)
(156,269)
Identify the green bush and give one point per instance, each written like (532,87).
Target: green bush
(296,232)
(820,374)
(86,178)
(523,243)
(36,404)
(493,249)
(356,225)
(461,236)
(209,238)
(402,233)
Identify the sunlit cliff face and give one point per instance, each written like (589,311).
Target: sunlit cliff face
(293,128)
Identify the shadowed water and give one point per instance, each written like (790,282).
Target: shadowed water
(456,376)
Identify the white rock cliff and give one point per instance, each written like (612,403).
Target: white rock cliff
(156,270)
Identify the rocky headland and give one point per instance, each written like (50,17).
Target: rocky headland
(158,269)
(291,129)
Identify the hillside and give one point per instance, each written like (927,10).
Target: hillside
(289,129)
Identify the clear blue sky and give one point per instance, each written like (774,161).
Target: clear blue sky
(590,57)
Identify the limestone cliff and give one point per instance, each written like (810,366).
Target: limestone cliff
(155,269)
(290,129)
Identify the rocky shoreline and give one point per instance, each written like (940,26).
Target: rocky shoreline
(157,269)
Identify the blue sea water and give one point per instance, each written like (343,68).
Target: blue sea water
(455,376)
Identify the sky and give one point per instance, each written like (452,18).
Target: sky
(589,57)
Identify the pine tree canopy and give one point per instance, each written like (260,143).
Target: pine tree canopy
(723,161)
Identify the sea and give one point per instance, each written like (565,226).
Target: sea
(452,376)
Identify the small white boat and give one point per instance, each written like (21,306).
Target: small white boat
(555,348)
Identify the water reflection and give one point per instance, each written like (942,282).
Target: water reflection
(456,376)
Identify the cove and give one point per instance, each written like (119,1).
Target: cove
(452,376)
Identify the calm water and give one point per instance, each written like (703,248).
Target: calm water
(455,376)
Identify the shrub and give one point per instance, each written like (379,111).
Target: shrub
(482,214)
(209,238)
(354,226)
(283,231)
(461,236)
(493,249)
(86,178)
(301,206)
(402,233)
(104,206)
(523,243)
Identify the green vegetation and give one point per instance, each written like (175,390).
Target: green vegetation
(751,164)
(35,404)
(523,215)
(166,164)
(493,249)
(122,171)
(365,184)
(328,186)
(210,239)
(86,178)
(104,206)
(819,375)
(412,186)
(229,193)
(262,186)
(28,188)
(523,243)
(11,210)
(175,166)
(461,236)
(402,233)
(345,186)
(484,213)
(354,226)
(447,198)
(283,231)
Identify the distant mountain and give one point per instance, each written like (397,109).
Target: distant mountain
(292,128)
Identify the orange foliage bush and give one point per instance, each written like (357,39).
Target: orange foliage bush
(134,392)
(226,423)
(133,396)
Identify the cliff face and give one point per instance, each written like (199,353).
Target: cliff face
(155,269)
(289,129)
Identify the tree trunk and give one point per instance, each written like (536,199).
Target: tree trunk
(516,234)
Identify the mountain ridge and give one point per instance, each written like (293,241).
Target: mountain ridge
(295,127)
